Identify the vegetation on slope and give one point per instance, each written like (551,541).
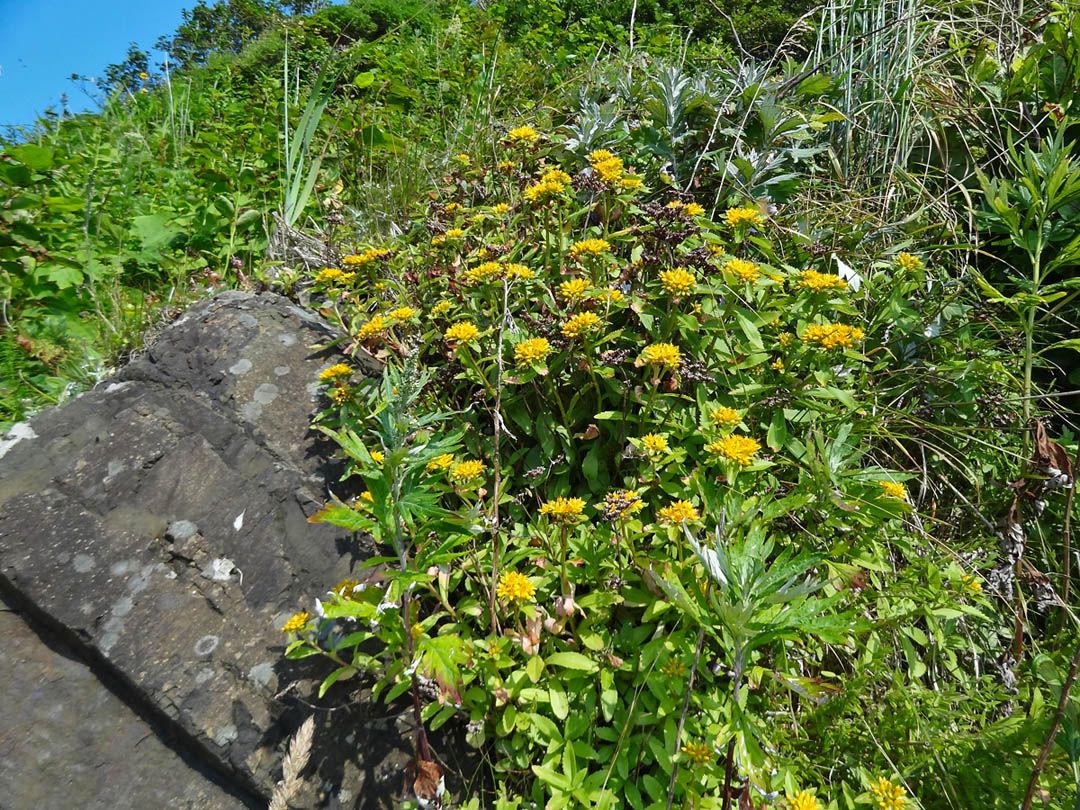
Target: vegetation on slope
(722,451)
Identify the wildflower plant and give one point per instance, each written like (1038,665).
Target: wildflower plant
(611,452)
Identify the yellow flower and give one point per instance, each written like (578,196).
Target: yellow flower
(600,155)
(500,209)
(523,135)
(620,504)
(377,456)
(515,587)
(563,510)
(144,91)
(443,462)
(785,339)
(582,322)
(531,351)
(593,247)
(487,270)
(693,210)
(463,158)
(803,801)
(401,313)
(144,75)
(678,511)
(335,371)
(631,182)
(345,588)
(832,335)
(743,216)
(673,668)
(740,449)
(971,584)
(698,752)
(728,417)
(610,295)
(543,189)
(373,327)
(777,364)
(661,354)
(466,471)
(440,308)
(555,176)
(367,496)
(905,261)
(453,206)
(506,166)
(342,395)
(654,443)
(518,271)
(819,282)
(573,290)
(462,332)
(609,170)
(894,490)
(678,281)
(454,233)
(328,274)
(889,796)
(742,269)
(363,258)
(297,622)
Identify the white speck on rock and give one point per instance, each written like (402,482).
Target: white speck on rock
(238,524)
(251,411)
(15,435)
(203,675)
(117,386)
(262,674)
(266,393)
(219,569)
(206,645)
(225,735)
(281,371)
(240,367)
(83,563)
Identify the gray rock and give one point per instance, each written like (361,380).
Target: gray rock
(165,530)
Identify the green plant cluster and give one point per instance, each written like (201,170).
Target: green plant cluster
(635,465)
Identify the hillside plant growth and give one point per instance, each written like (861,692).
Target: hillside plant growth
(710,388)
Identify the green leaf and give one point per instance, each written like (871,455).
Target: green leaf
(572,660)
(551,777)
(153,231)
(365,79)
(753,336)
(34,157)
(339,674)
(777,431)
(559,704)
(534,668)
(60,275)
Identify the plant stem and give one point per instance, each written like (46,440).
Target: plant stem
(682,716)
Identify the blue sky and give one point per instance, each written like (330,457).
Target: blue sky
(42,42)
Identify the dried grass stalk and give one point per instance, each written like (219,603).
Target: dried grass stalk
(295,762)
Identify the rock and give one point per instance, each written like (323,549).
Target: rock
(159,523)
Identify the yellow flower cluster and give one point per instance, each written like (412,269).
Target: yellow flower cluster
(518,271)
(363,258)
(673,668)
(889,796)
(533,350)
(574,289)
(582,322)
(463,158)
(563,510)
(451,207)
(742,269)
(342,395)
(441,308)
(466,471)
(894,490)
(345,588)
(611,295)
(401,313)
(803,800)
(832,335)
(906,261)
(462,332)
(690,209)
(678,281)
(785,339)
(378,456)
(330,274)
(500,209)
(443,462)
(523,135)
(740,449)
(335,371)
(661,354)
(698,752)
(654,443)
(819,282)
(515,587)
(552,182)
(588,247)
(679,511)
(743,216)
(971,584)
(296,622)
(483,272)
(375,326)
(725,416)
